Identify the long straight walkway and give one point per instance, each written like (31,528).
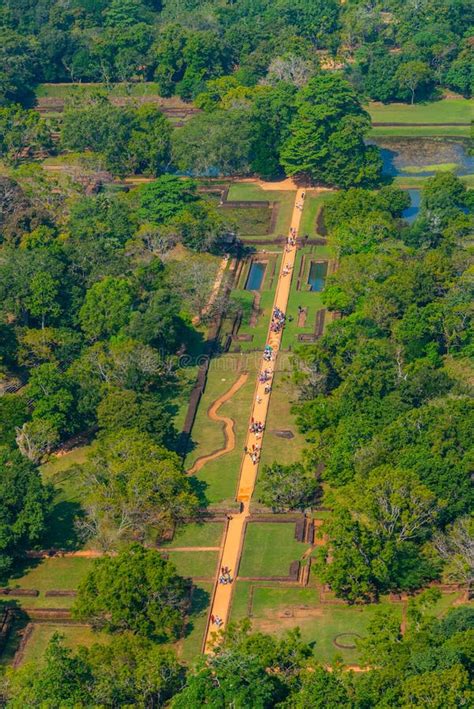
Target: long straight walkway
(232,550)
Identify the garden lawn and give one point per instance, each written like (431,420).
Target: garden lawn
(194,563)
(260,330)
(140,88)
(60,472)
(269,549)
(408,131)
(250,191)
(72,636)
(312,204)
(56,573)
(189,648)
(218,478)
(275,448)
(306,299)
(249,221)
(207,534)
(455,110)
(275,609)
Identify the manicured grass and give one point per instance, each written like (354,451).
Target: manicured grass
(260,330)
(189,648)
(252,192)
(438,167)
(269,549)
(72,636)
(56,573)
(304,298)
(217,480)
(142,88)
(67,502)
(194,563)
(208,534)
(53,470)
(312,204)
(455,110)
(187,380)
(276,609)
(420,131)
(275,448)
(251,221)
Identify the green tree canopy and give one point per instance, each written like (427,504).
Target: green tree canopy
(24,506)
(326,143)
(134,488)
(287,487)
(138,591)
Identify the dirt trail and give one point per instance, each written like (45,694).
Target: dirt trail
(229,433)
(232,550)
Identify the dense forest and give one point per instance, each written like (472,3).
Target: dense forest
(109,260)
(391,50)
(387,391)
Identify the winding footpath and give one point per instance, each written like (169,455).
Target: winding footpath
(232,548)
(228,425)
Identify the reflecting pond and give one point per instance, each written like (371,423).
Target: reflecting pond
(317,275)
(255,277)
(415,156)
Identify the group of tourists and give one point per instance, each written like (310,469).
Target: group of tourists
(216,620)
(225,576)
(254,452)
(291,241)
(278,320)
(268,353)
(256,426)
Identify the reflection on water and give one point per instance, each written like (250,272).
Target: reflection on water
(400,153)
(411,212)
(317,275)
(255,277)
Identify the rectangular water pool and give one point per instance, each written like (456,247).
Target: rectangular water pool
(255,277)
(317,275)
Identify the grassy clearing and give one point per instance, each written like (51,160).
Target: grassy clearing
(57,573)
(189,648)
(72,636)
(253,192)
(438,167)
(407,131)
(208,534)
(312,204)
(260,330)
(269,549)
(217,480)
(455,110)
(60,473)
(276,609)
(253,221)
(275,448)
(63,91)
(194,563)
(304,298)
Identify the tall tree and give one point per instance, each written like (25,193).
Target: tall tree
(136,591)
(326,143)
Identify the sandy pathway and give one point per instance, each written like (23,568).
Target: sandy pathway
(232,549)
(229,433)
